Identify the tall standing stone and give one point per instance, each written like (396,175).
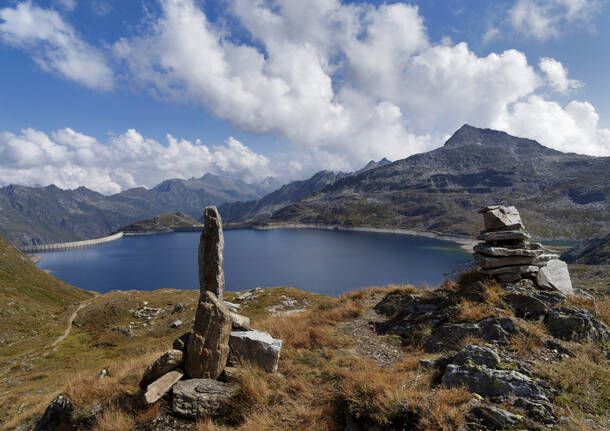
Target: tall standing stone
(211,249)
(208,345)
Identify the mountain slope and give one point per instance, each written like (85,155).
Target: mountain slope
(163,223)
(561,195)
(38,215)
(592,251)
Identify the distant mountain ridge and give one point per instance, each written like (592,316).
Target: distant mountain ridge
(39,215)
(561,195)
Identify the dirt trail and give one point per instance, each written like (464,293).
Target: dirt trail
(70,321)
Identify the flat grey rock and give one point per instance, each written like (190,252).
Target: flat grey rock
(555,276)
(519,269)
(488,262)
(509,235)
(161,386)
(239,322)
(201,398)
(256,347)
(500,216)
(489,382)
(496,251)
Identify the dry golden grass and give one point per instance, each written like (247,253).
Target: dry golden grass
(585,380)
(472,312)
(531,336)
(36,400)
(113,419)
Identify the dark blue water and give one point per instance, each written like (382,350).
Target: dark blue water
(322,261)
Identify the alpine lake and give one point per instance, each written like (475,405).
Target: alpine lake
(329,262)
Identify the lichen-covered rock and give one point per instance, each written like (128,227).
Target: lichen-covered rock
(208,345)
(450,335)
(576,325)
(495,418)
(256,347)
(555,275)
(201,398)
(490,382)
(476,355)
(161,386)
(165,363)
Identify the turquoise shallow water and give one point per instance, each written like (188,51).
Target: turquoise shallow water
(321,261)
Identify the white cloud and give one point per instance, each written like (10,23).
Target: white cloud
(70,159)
(545,19)
(54,45)
(557,75)
(573,128)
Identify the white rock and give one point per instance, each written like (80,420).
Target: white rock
(555,275)
(256,347)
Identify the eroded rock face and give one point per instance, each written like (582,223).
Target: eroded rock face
(256,347)
(211,249)
(208,345)
(201,398)
(165,363)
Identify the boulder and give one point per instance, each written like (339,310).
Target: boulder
(509,235)
(256,347)
(57,415)
(161,386)
(576,325)
(555,276)
(211,249)
(526,306)
(500,216)
(165,363)
(539,410)
(450,335)
(239,322)
(491,383)
(208,345)
(201,398)
(495,418)
(476,355)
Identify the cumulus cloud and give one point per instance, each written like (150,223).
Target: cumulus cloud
(545,19)
(557,75)
(55,45)
(69,5)
(70,159)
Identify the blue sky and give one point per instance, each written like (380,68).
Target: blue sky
(114,94)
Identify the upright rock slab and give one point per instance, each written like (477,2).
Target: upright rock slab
(555,276)
(208,345)
(211,249)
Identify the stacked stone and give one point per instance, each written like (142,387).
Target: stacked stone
(506,251)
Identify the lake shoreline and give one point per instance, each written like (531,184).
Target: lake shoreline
(466,243)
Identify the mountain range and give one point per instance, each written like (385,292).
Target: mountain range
(560,195)
(38,215)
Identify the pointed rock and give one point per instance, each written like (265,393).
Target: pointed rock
(211,248)
(208,345)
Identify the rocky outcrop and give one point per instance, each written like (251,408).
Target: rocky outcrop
(576,325)
(56,416)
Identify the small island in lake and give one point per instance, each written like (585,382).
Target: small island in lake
(162,223)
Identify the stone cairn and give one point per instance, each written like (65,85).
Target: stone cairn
(507,253)
(218,337)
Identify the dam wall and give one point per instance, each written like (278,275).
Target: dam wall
(73,244)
